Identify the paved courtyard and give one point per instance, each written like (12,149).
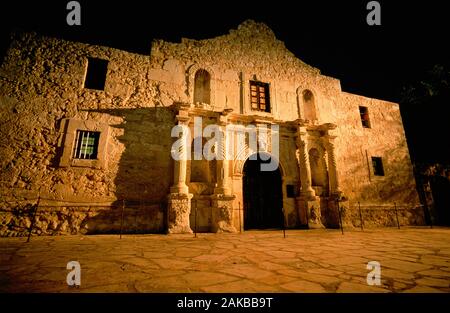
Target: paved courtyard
(412,260)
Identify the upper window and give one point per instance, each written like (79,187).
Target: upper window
(86,145)
(259,96)
(377,164)
(96,74)
(364,112)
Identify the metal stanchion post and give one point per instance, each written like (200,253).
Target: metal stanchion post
(340,218)
(240,223)
(121,218)
(396,215)
(34,218)
(429,214)
(360,216)
(195,219)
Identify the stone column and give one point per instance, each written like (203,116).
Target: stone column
(179,174)
(222,157)
(179,199)
(222,166)
(332,167)
(304,166)
(335,191)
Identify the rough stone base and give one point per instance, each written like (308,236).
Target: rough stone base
(222,217)
(72,220)
(302,212)
(179,209)
(382,216)
(332,214)
(310,212)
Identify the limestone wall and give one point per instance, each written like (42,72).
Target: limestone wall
(357,145)
(41,88)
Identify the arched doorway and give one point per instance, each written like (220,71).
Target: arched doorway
(263,198)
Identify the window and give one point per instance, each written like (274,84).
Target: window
(364,117)
(96,74)
(290,191)
(83,143)
(377,165)
(86,145)
(259,96)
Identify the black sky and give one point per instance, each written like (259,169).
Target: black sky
(374,61)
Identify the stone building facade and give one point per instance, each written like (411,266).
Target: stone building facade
(86,131)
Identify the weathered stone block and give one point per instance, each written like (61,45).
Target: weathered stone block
(179,208)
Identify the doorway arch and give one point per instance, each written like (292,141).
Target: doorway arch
(262,192)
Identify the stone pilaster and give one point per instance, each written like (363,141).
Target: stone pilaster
(222,200)
(332,166)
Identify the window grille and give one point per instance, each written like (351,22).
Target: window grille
(86,145)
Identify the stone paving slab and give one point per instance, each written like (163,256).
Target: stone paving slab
(413,259)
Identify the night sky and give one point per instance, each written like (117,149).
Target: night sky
(374,61)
